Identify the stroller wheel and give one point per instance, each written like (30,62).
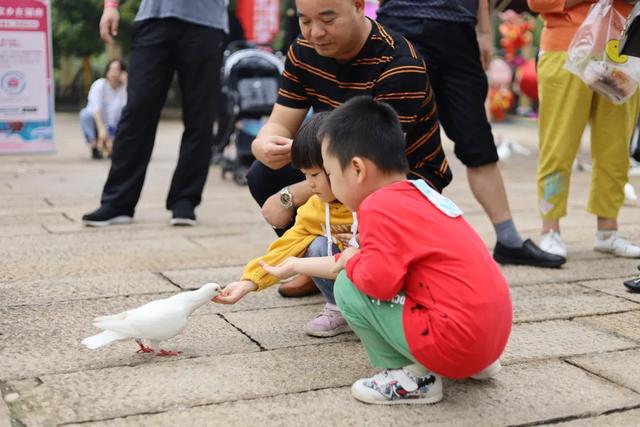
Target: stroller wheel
(240,175)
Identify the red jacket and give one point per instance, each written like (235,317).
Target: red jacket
(457,311)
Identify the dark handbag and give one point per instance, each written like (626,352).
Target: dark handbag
(630,38)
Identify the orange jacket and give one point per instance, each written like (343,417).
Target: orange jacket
(561,24)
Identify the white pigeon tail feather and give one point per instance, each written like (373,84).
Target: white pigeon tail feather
(102,339)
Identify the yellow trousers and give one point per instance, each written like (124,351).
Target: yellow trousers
(566,106)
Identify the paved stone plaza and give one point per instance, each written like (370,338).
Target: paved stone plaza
(572,358)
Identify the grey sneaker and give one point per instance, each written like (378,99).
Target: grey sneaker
(398,386)
(328,323)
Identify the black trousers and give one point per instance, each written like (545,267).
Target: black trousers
(452,55)
(159,48)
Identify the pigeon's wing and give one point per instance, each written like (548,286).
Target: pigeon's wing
(118,316)
(157,321)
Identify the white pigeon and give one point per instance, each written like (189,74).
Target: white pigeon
(156,321)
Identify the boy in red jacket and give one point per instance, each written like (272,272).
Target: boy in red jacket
(422,292)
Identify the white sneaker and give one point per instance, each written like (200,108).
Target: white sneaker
(398,386)
(488,372)
(634,168)
(552,242)
(617,246)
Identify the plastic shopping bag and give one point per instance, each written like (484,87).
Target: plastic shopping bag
(593,55)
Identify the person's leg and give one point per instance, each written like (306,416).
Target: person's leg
(199,56)
(88,127)
(565,104)
(150,72)
(329,322)
(378,324)
(319,248)
(611,130)
(264,182)
(460,87)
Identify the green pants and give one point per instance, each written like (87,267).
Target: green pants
(378,324)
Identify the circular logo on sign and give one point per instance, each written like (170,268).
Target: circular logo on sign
(12,82)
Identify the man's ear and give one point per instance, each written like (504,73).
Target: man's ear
(359,4)
(360,169)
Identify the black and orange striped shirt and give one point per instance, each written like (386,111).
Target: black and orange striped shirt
(388,69)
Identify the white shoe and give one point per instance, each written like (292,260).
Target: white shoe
(634,168)
(617,246)
(552,242)
(398,386)
(488,372)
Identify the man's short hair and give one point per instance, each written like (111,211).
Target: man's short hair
(364,127)
(306,152)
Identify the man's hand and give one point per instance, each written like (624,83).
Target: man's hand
(284,270)
(234,291)
(486,49)
(109,24)
(273,151)
(276,214)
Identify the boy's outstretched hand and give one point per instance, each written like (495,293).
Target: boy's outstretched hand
(234,291)
(284,270)
(346,255)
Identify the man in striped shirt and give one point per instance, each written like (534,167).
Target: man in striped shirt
(343,54)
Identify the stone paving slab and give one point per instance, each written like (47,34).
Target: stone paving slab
(46,339)
(125,256)
(559,338)
(5,417)
(561,389)
(21,230)
(621,367)
(148,388)
(47,291)
(630,418)
(615,286)
(544,302)
(623,324)
(283,327)
(573,271)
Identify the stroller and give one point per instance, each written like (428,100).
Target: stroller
(250,81)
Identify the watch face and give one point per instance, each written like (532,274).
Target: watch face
(285,199)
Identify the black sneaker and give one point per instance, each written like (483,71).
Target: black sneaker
(633,285)
(104,216)
(527,254)
(182,214)
(95,153)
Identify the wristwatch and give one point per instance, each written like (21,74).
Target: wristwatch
(286,198)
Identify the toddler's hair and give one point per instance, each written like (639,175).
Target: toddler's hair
(364,127)
(306,150)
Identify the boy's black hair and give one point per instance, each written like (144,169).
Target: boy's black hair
(364,127)
(123,67)
(306,151)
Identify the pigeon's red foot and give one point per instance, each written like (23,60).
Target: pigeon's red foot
(168,353)
(144,348)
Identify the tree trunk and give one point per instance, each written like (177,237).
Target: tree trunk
(114,51)
(86,75)
(66,75)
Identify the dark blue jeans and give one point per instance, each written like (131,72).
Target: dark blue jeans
(318,248)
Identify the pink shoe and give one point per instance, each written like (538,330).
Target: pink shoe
(328,323)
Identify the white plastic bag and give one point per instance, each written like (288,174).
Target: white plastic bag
(593,55)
